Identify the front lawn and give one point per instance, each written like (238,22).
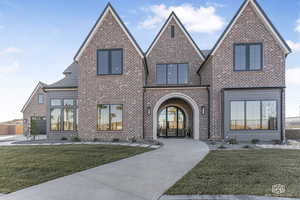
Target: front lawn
(25,166)
(243,172)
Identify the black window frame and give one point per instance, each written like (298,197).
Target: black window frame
(247,56)
(109,118)
(43,98)
(261,117)
(109,61)
(177,76)
(172,31)
(62,108)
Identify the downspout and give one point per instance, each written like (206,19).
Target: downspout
(281,116)
(143,119)
(208,112)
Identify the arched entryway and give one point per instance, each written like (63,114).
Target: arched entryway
(172,122)
(188,113)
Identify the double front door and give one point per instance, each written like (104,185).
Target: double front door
(171,122)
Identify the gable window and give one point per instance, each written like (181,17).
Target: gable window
(110,117)
(171,74)
(40,99)
(253,115)
(248,57)
(172,31)
(109,61)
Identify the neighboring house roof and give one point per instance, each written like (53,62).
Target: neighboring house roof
(39,85)
(173,16)
(69,81)
(265,20)
(108,9)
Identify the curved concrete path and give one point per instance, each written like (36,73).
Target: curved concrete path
(142,177)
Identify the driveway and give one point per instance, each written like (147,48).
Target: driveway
(142,177)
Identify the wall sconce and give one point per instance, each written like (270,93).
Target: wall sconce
(148,109)
(203,110)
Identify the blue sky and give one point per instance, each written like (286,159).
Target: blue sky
(38,39)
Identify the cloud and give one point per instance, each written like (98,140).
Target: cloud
(11,50)
(295,46)
(196,19)
(292,76)
(298,26)
(10,68)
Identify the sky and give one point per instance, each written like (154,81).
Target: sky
(38,39)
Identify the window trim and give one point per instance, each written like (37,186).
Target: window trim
(43,95)
(62,107)
(109,61)
(261,119)
(176,84)
(248,57)
(109,119)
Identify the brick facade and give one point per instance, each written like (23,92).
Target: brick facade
(126,89)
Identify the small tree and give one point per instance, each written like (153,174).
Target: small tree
(34,131)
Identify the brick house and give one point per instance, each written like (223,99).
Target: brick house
(115,90)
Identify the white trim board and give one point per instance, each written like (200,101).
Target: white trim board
(265,21)
(108,9)
(172,16)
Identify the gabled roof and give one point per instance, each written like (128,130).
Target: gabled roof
(173,16)
(38,86)
(265,20)
(108,9)
(69,81)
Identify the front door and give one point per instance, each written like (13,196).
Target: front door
(171,122)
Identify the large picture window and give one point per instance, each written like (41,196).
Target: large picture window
(110,117)
(253,115)
(171,74)
(109,61)
(63,114)
(248,57)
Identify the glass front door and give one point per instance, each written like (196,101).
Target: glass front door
(171,122)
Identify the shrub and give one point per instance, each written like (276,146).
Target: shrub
(133,140)
(75,139)
(222,147)
(276,142)
(255,141)
(115,140)
(247,147)
(212,142)
(64,138)
(232,141)
(34,131)
(95,140)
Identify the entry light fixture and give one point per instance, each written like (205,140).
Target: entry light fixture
(203,110)
(148,109)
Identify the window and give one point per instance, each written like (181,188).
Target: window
(171,74)
(64,114)
(55,102)
(248,57)
(110,62)
(172,31)
(110,117)
(253,115)
(40,99)
(55,116)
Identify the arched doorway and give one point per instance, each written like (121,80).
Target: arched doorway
(171,122)
(194,122)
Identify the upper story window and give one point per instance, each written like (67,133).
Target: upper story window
(109,61)
(172,31)
(248,57)
(40,99)
(171,74)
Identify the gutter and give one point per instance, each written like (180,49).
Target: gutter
(281,116)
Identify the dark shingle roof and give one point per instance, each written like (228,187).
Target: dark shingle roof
(70,79)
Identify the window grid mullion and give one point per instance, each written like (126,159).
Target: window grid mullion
(245,115)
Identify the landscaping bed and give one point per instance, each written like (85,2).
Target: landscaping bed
(24,166)
(243,172)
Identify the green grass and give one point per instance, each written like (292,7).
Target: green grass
(243,172)
(25,166)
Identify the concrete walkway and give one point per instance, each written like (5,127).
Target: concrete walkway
(142,177)
(222,197)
